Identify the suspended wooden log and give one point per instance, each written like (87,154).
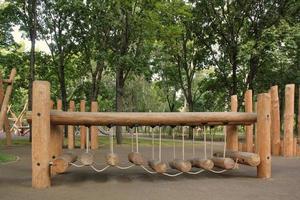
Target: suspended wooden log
(62,163)
(86,158)
(112,159)
(206,164)
(158,166)
(149,119)
(224,163)
(136,158)
(245,158)
(181,165)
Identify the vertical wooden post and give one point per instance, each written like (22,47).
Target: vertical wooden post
(249,129)
(40,134)
(59,104)
(275,121)
(298,123)
(59,107)
(83,130)
(264,135)
(295,146)
(94,132)
(289,120)
(56,133)
(71,137)
(232,135)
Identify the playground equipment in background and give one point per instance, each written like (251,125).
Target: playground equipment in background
(47,134)
(19,123)
(5,94)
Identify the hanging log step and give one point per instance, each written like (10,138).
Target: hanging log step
(112,159)
(224,163)
(86,158)
(136,158)
(158,166)
(245,158)
(206,164)
(181,165)
(62,163)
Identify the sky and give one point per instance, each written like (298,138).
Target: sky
(40,45)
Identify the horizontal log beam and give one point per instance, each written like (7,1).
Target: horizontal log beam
(150,119)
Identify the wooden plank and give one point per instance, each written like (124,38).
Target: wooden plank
(83,129)
(289,120)
(264,135)
(94,132)
(275,121)
(249,128)
(149,119)
(299,114)
(71,136)
(6,98)
(40,134)
(231,131)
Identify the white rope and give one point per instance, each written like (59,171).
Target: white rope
(136,139)
(183,143)
(174,147)
(152,132)
(87,139)
(121,167)
(197,172)
(159,153)
(131,132)
(147,170)
(225,143)
(205,148)
(211,142)
(193,143)
(172,175)
(111,141)
(75,165)
(99,170)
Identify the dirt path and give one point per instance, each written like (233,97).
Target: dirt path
(114,184)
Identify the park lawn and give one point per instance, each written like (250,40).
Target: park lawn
(6,158)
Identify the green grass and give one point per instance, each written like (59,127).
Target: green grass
(6,158)
(18,141)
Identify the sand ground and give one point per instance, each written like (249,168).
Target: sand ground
(135,183)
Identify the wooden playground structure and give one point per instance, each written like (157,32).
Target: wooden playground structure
(47,138)
(5,94)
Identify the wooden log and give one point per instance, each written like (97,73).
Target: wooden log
(112,159)
(83,129)
(281,148)
(264,135)
(86,158)
(275,121)
(249,128)
(55,142)
(223,163)
(240,146)
(61,133)
(71,136)
(62,163)
(298,150)
(59,104)
(206,164)
(6,98)
(232,134)
(51,104)
(181,165)
(149,119)
(289,120)
(299,115)
(246,158)
(94,132)
(158,166)
(40,142)
(136,158)
(295,146)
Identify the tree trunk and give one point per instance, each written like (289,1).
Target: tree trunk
(96,78)
(32,33)
(120,82)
